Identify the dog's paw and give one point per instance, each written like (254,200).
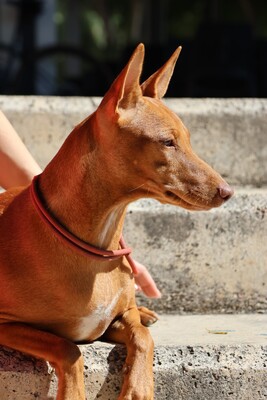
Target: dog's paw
(147,316)
(139,392)
(136,396)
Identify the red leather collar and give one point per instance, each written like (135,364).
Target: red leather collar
(71,240)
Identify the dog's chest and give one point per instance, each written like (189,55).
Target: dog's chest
(97,321)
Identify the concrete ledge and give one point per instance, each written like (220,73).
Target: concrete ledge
(204,262)
(196,358)
(230,134)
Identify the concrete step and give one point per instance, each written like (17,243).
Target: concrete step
(230,134)
(204,262)
(207,357)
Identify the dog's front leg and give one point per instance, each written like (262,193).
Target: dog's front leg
(138,369)
(62,354)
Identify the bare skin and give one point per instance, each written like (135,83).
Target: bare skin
(17,166)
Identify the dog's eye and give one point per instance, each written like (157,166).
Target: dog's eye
(169,143)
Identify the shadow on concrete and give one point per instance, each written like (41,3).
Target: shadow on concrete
(112,386)
(15,367)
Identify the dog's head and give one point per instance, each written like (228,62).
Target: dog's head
(146,147)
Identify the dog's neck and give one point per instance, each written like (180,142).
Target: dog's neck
(80,193)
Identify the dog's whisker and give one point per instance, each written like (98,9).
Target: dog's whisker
(136,188)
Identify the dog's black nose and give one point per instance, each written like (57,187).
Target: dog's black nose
(225,191)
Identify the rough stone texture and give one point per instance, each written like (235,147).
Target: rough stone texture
(204,262)
(197,364)
(230,134)
(208,373)
(185,372)
(25,378)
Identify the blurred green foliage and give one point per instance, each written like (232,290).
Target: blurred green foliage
(108,24)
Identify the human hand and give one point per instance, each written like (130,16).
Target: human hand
(145,282)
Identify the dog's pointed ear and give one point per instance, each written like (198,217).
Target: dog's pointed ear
(126,90)
(157,84)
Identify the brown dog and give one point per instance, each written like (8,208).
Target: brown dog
(57,289)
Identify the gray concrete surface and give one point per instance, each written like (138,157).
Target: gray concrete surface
(204,261)
(230,134)
(196,358)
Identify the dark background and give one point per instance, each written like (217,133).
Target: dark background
(224,46)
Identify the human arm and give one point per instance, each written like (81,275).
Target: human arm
(17,166)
